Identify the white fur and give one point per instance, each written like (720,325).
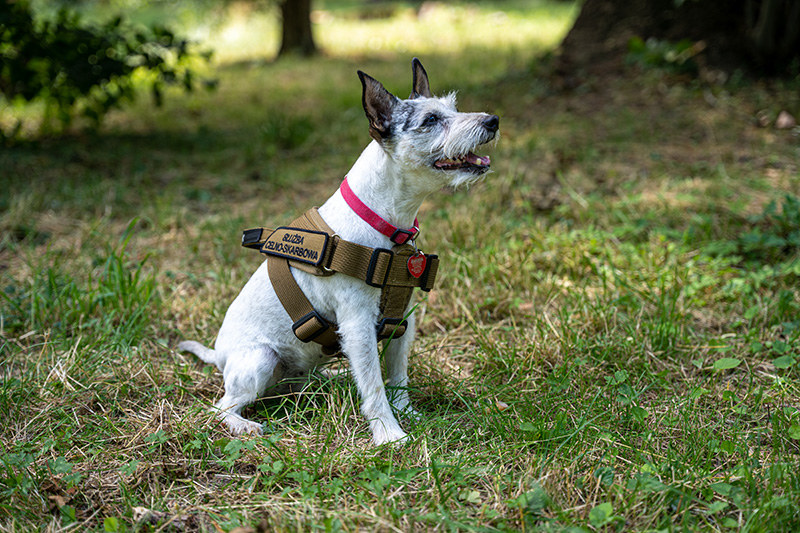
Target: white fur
(255,347)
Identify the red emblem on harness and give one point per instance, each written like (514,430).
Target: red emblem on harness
(416,264)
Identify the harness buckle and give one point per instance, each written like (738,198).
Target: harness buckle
(252,238)
(330,247)
(428,277)
(402,236)
(398,330)
(306,330)
(376,261)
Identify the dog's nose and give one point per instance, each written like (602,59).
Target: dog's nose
(491,123)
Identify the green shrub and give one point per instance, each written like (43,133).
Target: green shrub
(78,69)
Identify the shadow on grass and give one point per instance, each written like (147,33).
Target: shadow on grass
(285,124)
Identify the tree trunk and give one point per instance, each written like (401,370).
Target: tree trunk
(774,31)
(296,21)
(762,35)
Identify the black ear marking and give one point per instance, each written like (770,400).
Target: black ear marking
(378,104)
(420,85)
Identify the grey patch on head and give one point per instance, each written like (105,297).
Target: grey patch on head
(405,116)
(415,113)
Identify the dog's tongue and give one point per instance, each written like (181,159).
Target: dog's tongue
(473,159)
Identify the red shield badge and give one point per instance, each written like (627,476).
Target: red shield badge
(416,264)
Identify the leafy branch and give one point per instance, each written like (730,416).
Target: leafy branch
(78,69)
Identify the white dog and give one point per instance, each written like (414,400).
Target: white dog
(420,146)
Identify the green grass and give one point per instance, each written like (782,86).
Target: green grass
(613,344)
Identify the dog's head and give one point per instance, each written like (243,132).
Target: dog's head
(426,134)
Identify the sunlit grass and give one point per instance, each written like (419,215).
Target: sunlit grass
(242,32)
(245,31)
(246,34)
(444,28)
(612,343)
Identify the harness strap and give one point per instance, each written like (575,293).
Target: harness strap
(377,267)
(308,325)
(326,254)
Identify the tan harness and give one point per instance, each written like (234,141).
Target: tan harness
(309,244)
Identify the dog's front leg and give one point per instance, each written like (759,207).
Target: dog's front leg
(360,345)
(396,361)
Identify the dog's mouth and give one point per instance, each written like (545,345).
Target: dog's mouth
(469,162)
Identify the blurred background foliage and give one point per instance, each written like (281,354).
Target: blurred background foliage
(63,61)
(83,58)
(80,68)
(631,266)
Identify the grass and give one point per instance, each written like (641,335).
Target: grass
(613,344)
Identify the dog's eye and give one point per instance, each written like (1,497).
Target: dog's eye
(430,120)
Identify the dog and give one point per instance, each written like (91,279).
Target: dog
(420,145)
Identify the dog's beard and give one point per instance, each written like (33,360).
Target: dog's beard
(465,179)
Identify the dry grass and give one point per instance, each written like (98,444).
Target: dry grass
(565,368)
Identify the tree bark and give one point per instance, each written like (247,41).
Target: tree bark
(774,31)
(297,37)
(760,35)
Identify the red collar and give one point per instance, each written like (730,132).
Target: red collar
(395,234)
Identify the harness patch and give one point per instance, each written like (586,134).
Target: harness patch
(304,246)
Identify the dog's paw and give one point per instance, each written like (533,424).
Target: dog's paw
(395,440)
(242,426)
(381,434)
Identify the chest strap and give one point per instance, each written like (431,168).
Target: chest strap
(309,244)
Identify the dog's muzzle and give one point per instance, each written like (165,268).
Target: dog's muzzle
(470,162)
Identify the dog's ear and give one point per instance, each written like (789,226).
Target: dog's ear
(379,105)
(420,86)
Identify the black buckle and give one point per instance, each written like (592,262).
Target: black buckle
(323,326)
(402,236)
(373,263)
(398,322)
(423,279)
(251,238)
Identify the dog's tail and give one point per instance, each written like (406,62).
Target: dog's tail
(206,354)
